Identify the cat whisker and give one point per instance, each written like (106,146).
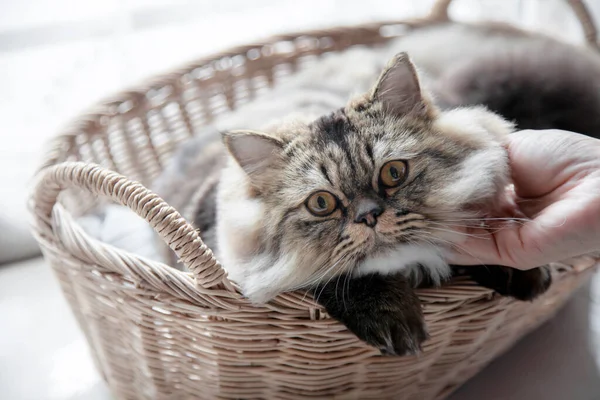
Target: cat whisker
(347,274)
(494,229)
(452,217)
(348,249)
(316,276)
(408,222)
(341,247)
(486,236)
(336,288)
(446,224)
(454,245)
(407,229)
(317,282)
(508,219)
(521,221)
(453,214)
(329,280)
(321,274)
(346,282)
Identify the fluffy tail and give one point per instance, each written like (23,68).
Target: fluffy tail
(537,87)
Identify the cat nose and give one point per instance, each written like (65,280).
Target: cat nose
(367,212)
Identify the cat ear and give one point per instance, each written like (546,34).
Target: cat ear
(398,89)
(254,151)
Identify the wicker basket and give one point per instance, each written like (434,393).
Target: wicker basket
(160,333)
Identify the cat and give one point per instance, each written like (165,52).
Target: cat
(371,187)
(357,205)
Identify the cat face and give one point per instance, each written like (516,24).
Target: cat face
(382,184)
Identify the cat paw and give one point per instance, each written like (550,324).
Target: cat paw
(382,311)
(394,333)
(522,285)
(528,285)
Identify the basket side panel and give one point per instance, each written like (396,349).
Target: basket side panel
(153,345)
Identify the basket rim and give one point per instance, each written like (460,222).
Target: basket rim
(90,118)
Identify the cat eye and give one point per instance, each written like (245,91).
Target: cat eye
(393,173)
(321,203)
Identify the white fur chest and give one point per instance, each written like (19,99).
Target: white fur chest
(405,258)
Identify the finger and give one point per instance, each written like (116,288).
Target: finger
(476,249)
(502,247)
(520,246)
(537,162)
(530,208)
(456,257)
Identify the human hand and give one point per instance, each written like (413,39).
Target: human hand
(556,176)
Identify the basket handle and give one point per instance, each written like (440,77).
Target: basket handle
(179,235)
(439,12)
